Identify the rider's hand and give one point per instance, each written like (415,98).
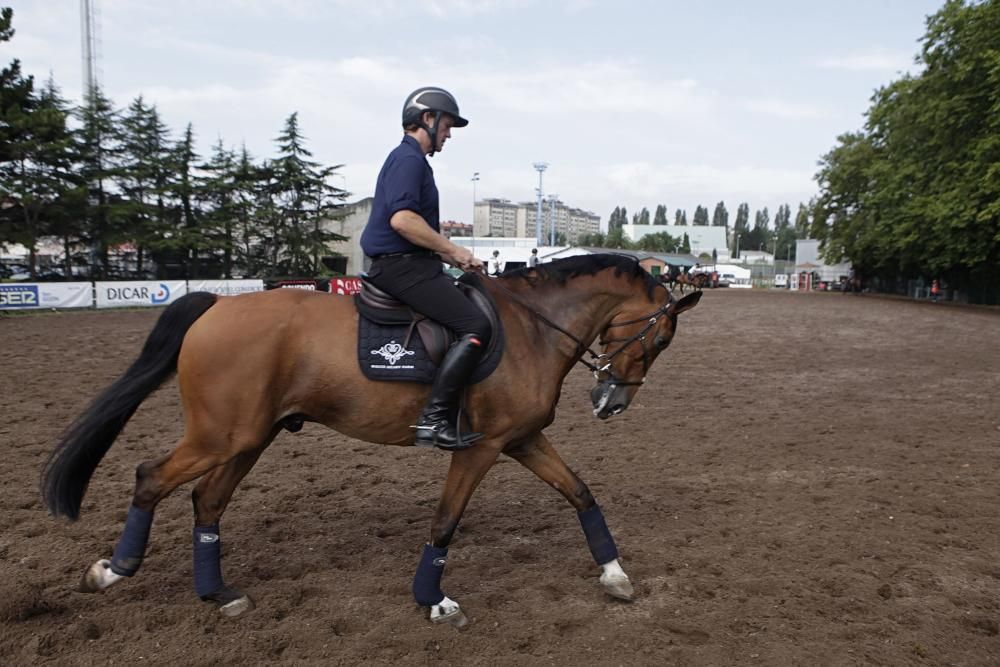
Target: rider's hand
(465,260)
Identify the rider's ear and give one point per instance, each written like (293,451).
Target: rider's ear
(687,303)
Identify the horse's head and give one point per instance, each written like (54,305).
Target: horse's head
(629,345)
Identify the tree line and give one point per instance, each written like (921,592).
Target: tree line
(915,193)
(778,238)
(126,199)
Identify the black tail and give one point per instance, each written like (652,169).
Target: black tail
(89,437)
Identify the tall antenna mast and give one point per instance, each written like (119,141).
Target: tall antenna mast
(89,41)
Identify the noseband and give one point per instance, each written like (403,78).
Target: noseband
(602,361)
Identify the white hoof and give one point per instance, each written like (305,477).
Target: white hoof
(98,577)
(237,607)
(616,583)
(448,611)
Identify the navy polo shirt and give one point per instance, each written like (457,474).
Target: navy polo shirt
(406,183)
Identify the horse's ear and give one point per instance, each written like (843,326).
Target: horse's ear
(687,303)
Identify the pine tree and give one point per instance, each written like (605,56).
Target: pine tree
(141,174)
(105,217)
(37,177)
(183,189)
(305,199)
(680,218)
(216,190)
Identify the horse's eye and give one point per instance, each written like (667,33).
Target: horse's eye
(660,342)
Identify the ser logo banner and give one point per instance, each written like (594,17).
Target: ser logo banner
(19,296)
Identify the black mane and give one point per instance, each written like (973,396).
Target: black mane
(561,270)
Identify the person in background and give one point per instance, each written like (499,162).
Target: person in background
(533,259)
(494,265)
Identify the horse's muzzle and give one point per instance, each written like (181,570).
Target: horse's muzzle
(608,399)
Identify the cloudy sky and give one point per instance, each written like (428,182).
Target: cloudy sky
(631,102)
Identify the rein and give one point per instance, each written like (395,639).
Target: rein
(582,347)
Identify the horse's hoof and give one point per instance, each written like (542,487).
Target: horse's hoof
(448,611)
(618,587)
(98,577)
(237,607)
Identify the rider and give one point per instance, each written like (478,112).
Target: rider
(403,239)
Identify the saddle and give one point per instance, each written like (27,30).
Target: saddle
(396,343)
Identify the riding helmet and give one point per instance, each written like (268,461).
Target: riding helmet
(433,99)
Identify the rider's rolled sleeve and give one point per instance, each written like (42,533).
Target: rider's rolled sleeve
(403,181)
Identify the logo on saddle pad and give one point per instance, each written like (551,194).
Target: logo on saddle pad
(392,352)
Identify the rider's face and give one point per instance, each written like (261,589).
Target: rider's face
(444,130)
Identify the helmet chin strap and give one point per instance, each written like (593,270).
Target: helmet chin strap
(432,132)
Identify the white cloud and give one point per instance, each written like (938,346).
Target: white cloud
(785,109)
(879,60)
(649,182)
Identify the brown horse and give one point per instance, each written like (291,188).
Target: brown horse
(695,281)
(250,365)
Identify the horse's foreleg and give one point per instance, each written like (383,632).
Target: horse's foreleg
(154,481)
(210,498)
(468,467)
(540,457)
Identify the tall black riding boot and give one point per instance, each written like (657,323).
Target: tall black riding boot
(434,427)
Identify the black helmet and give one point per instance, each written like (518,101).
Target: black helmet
(433,99)
(436,100)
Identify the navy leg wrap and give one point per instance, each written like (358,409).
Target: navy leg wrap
(132,544)
(427,580)
(207,560)
(602,545)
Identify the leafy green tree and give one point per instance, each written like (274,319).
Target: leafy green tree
(803,220)
(917,192)
(660,217)
(720,217)
(700,217)
(686,243)
(642,217)
(740,228)
(616,239)
(658,242)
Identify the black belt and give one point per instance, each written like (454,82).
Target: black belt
(417,253)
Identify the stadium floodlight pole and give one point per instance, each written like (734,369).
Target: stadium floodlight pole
(552,214)
(474,179)
(540,167)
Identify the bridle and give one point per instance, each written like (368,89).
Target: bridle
(602,360)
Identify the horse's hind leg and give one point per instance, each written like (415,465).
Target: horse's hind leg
(539,456)
(210,498)
(154,480)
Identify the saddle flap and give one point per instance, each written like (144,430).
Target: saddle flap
(387,350)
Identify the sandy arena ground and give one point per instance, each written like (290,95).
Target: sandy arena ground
(804,480)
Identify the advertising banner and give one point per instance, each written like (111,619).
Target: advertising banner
(45,295)
(226,287)
(345,285)
(139,293)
